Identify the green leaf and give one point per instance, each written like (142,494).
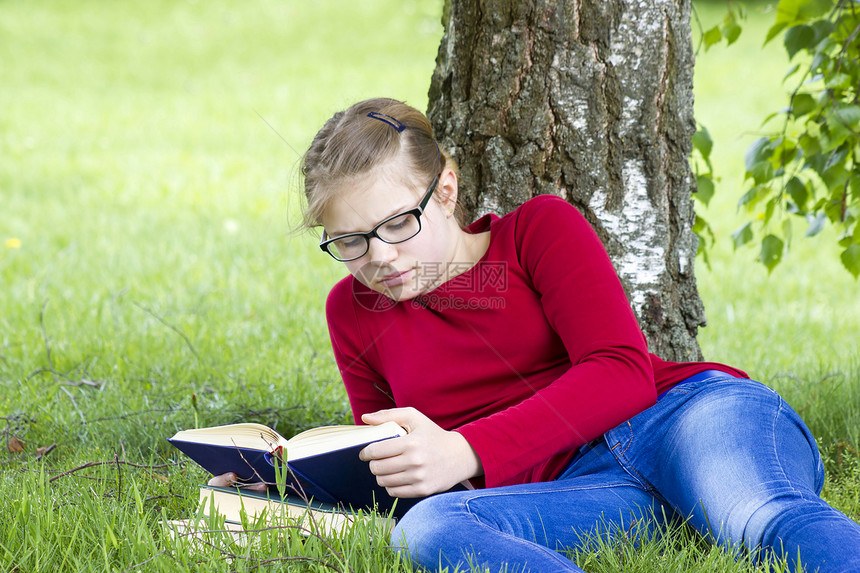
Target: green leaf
(850,258)
(831,167)
(811,145)
(703,231)
(828,45)
(854,185)
(786,10)
(822,29)
(791,71)
(757,152)
(752,197)
(798,192)
(839,82)
(701,227)
(771,251)
(802,104)
(834,208)
(705,190)
(830,140)
(855,236)
(836,180)
(742,236)
(837,158)
(762,172)
(712,36)
(702,142)
(808,9)
(844,122)
(731,32)
(703,252)
(769,208)
(798,38)
(786,151)
(774,31)
(773,115)
(786,231)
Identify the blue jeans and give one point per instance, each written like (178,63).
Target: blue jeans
(727,455)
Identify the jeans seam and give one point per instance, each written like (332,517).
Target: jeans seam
(627,466)
(781,411)
(776,456)
(494,492)
(629,440)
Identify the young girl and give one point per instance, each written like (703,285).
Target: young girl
(508,351)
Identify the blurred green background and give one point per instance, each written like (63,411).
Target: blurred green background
(149,187)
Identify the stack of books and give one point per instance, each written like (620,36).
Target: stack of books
(321,464)
(323,486)
(239,515)
(239,507)
(326,487)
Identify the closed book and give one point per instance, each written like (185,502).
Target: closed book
(241,506)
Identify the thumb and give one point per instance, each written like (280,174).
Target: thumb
(407,418)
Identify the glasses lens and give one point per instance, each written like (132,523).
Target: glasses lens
(395,230)
(399,228)
(348,247)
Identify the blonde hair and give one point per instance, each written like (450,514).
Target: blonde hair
(352,143)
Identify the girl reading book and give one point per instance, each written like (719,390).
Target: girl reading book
(508,351)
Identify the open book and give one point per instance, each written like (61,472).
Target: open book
(322,463)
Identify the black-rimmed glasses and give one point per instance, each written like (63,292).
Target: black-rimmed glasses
(393,230)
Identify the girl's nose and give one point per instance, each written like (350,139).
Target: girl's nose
(380,251)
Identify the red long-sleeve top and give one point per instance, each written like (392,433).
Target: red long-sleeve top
(530,354)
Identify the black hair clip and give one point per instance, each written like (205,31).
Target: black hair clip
(387,119)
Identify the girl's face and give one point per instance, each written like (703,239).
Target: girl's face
(404,270)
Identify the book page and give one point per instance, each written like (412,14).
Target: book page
(329,438)
(248,435)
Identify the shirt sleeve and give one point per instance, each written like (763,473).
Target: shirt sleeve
(610,378)
(367,390)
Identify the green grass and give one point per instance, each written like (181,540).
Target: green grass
(150,278)
(806,314)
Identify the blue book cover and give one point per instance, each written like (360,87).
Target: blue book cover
(327,471)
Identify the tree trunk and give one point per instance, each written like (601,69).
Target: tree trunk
(590,100)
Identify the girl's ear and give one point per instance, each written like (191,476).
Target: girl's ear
(446,191)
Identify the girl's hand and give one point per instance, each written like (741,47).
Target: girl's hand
(427,460)
(232,480)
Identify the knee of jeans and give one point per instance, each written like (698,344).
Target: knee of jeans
(420,534)
(761,521)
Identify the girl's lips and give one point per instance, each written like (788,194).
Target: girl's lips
(395,279)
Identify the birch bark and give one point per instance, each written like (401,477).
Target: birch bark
(590,100)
